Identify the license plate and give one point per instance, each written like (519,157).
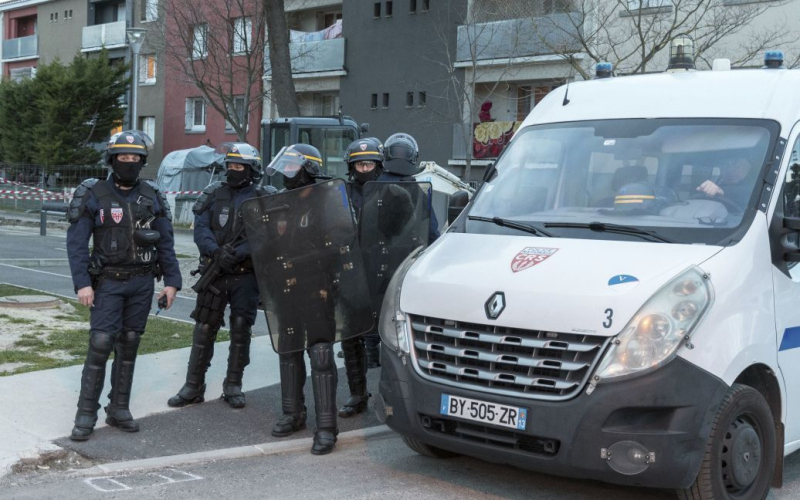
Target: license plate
(513,417)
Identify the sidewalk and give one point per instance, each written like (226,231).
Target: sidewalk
(40,407)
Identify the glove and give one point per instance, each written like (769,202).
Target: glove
(227,260)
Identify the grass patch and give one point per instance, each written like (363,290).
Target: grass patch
(21,321)
(162,334)
(185,256)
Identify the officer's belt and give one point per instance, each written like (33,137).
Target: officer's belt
(244,267)
(126,273)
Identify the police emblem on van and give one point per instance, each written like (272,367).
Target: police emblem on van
(116,214)
(530,256)
(495,305)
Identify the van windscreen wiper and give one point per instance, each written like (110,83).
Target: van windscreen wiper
(612,228)
(513,225)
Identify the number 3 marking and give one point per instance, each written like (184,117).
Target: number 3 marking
(608,322)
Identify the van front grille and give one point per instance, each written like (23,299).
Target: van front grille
(524,363)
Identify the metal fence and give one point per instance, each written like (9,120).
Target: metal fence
(30,187)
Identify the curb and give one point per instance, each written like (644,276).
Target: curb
(35,262)
(251,451)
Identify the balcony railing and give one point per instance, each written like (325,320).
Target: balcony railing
(313,57)
(26,46)
(487,140)
(103,35)
(535,36)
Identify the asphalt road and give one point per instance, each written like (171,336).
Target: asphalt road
(377,468)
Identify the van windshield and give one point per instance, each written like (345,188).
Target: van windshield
(674,180)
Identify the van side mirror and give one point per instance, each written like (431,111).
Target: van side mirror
(363,128)
(790,240)
(458,201)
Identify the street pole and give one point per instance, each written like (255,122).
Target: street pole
(135,40)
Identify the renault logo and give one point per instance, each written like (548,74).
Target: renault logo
(495,305)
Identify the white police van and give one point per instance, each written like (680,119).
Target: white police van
(619,301)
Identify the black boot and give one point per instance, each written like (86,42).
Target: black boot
(355,366)
(94,374)
(372,343)
(193,391)
(118,412)
(323,377)
(293,378)
(238,358)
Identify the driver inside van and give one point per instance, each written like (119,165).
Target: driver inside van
(731,183)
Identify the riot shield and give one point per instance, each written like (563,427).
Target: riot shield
(394,220)
(308,264)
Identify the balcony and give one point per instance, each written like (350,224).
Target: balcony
(319,56)
(16,48)
(515,38)
(109,35)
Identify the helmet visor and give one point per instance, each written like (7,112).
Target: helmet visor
(288,162)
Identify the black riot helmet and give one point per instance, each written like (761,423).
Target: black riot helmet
(401,153)
(126,173)
(367,149)
(245,154)
(299,165)
(128,142)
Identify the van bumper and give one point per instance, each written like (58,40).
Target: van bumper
(668,412)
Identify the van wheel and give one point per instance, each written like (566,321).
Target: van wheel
(427,450)
(739,459)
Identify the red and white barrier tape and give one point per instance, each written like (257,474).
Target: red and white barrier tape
(38,198)
(3,180)
(181,192)
(9,191)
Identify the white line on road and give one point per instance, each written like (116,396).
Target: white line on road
(36,271)
(119,486)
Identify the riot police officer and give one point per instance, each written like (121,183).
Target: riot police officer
(130,225)
(310,310)
(219,235)
(364,159)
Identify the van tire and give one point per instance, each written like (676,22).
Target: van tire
(743,420)
(427,450)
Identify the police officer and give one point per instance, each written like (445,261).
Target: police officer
(364,159)
(400,156)
(219,235)
(301,166)
(130,225)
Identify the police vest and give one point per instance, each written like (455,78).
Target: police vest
(114,241)
(224,217)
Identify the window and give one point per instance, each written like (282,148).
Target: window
(389,9)
(195,114)
(238,111)
(330,19)
(376,11)
(385,100)
(199,47)
(147,124)
(409,99)
(19,74)
(147,69)
(412,6)
(70,13)
(242,34)
(426,5)
(422,98)
(149,10)
(374,104)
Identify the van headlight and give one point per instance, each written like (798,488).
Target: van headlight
(392,326)
(653,336)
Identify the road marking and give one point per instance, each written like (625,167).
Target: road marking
(165,477)
(36,271)
(120,487)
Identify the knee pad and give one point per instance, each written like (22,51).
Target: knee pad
(101,343)
(321,356)
(240,328)
(205,333)
(128,344)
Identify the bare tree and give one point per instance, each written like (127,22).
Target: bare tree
(485,55)
(218,47)
(284,94)
(634,35)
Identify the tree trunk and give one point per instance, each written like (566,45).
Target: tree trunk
(283,93)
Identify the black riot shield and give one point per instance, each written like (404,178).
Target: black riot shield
(308,264)
(394,220)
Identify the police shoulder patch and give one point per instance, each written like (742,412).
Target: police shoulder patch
(161,199)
